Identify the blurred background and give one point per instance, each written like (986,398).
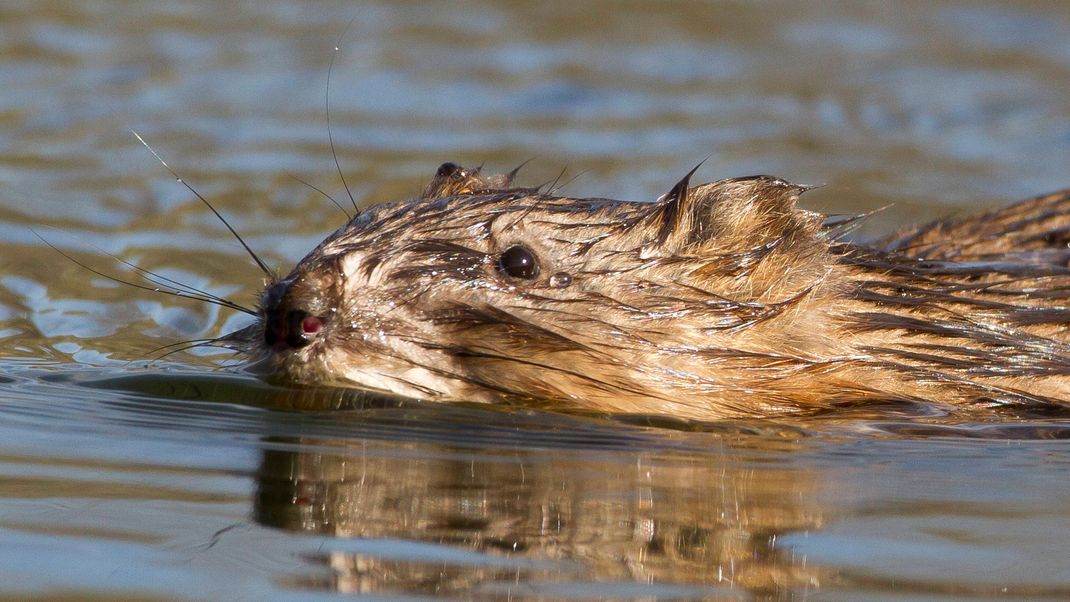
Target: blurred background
(117,482)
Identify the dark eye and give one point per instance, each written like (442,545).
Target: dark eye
(518,262)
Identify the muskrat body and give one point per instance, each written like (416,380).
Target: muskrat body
(719,300)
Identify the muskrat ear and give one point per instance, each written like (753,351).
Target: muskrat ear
(739,213)
(453,180)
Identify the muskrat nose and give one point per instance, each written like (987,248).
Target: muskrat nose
(286,326)
(291,329)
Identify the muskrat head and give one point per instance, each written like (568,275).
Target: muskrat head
(482,292)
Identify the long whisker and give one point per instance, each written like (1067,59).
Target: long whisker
(255,257)
(329,197)
(194,292)
(188,347)
(170,345)
(175,293)
(327,103)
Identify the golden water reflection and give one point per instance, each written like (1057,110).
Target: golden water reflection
(538,517)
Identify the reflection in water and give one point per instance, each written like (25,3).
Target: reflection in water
(536,518)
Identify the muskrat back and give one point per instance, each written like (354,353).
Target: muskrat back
(718,300)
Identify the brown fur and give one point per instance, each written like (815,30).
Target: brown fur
(719,300)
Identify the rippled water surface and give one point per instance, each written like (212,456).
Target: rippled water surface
(184,480)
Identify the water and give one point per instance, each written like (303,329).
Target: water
(184,480)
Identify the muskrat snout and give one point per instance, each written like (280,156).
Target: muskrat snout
(287,326)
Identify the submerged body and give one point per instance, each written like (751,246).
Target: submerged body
(718,300)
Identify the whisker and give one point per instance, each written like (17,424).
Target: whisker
(223,366)
(327,103)
(329,197)
(179,286)
(174,293)
(187,348)
(170,345)
(178,178)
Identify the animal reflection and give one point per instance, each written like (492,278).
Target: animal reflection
(503,522)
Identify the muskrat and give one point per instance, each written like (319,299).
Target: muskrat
(718,300)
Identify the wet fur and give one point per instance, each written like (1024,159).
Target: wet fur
(718,300)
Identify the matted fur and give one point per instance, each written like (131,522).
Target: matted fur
(719,300)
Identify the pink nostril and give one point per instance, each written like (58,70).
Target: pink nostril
(311,325)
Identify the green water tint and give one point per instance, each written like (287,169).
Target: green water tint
(186,479)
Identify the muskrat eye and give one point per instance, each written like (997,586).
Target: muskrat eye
(518,262)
